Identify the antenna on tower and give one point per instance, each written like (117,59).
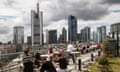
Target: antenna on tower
(38,7)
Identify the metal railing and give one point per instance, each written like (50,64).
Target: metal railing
(14,68)
(10,62)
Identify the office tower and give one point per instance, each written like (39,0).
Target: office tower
(37,27)
(18,35)
(101,33)
(64,35)
(79,36)
(72,28)
(29,41)
(60,39)
(47,37)
(53,36)
(94,36)
(85,34)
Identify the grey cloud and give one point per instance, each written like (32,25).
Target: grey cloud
(4,30)
(10,3)
(111,1)
(60,9)
(57,10)
(84,10)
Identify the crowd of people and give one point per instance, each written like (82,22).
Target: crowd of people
(56,61)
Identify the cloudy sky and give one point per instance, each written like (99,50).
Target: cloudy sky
(93,13)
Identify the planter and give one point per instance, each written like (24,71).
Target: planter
(103,68)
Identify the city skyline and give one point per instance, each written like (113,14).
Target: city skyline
(89,13)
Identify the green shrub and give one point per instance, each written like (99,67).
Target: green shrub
(103,61)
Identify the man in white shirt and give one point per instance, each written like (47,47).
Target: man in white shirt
(69,50)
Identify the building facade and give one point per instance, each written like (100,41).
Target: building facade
(18,35)
(101,34)
(79,36)
(115,31)
(72,28)
(64,35)
(52,36)
(37,27)
(85,34)
(29,41)
(94,36)
(47,37)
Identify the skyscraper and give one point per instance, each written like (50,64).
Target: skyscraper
(53,36)
(79,36)
(18,35)
(64,35)
(72,28)
(29,41)
(94,36)
(85,34)
(101,33)
(37,27)
(47,37)
(60,39)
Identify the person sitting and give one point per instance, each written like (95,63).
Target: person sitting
(47,66)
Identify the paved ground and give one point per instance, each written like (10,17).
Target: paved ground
(86,59)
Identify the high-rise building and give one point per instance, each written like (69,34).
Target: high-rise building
(29,41)
(60,39)
(37,27)
(18,35)
(72,28)
(79,36)
(64,35)
(47,37)
(52,36)
(85,34)
(94,36)
(101,33)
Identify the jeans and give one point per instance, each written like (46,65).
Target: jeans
(71,56)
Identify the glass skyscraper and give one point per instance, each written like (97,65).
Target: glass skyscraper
(101,34)
(52,36)
(72,28)
(85,34)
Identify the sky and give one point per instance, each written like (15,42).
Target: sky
(92,13)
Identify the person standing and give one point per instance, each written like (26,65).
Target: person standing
(37,59)
(50,52)
(27,62)
(70,48)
